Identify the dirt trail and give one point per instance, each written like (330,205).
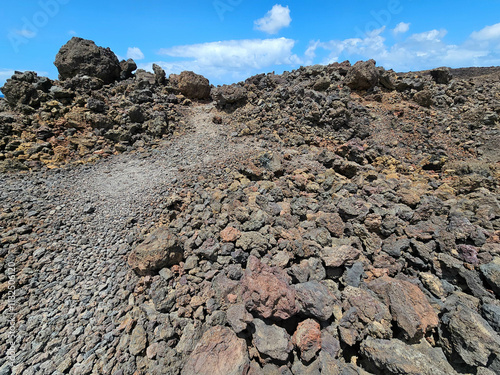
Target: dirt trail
(84,220)
(126,181)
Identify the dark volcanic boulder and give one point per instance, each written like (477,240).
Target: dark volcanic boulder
(82,56)
(441,75)
(229,94)
(23,87)
(362,76)
(193,85)
(161,248)
(127,67)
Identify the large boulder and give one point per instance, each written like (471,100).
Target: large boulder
(267,292)
(363,75)
(224,95)
(271,340)
(409,307)
(441,75)
(82,57)
(192,85)
(364,316)
(219,352)
(396,357)
(466,333)
(160,249)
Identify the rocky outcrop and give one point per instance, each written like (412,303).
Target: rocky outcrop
(26,88)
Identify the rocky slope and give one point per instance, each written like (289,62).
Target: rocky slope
(330,220)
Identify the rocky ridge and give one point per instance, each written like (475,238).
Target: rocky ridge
(330,220)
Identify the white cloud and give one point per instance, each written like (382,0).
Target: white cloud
(230,60)
(26,33)
(274,20)
(488,33)
(134,53)
(237,54)
(418,51)
(429,36)
(401,28)
(310,53)
(72,32)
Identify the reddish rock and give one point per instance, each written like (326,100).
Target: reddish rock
(160,249)
(331,221)
(409,306)
(230,234)
(307,338)
(338,256)
(219,352)
(266,291)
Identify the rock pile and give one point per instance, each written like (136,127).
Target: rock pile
(331,220)
(98,107)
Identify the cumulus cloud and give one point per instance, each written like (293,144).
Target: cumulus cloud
(235,55)
(429,36)
(274,20)
(401,28)
(487,33)
(134,53)
(418,51)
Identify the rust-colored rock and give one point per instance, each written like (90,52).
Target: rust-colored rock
(266,291)
(307,338)
(331,221)
(230,234)
(409,306)
(219,352)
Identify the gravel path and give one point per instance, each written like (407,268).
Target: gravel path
(68,232)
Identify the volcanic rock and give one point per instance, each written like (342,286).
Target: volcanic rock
(219,352)
(362,76)
(409,306)
(271,340)
(160,249)
(266,291)
(231,94)
(307,338)
(82,57)
(395,357)
(193,86)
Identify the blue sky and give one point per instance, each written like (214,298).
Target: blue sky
(230,40)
